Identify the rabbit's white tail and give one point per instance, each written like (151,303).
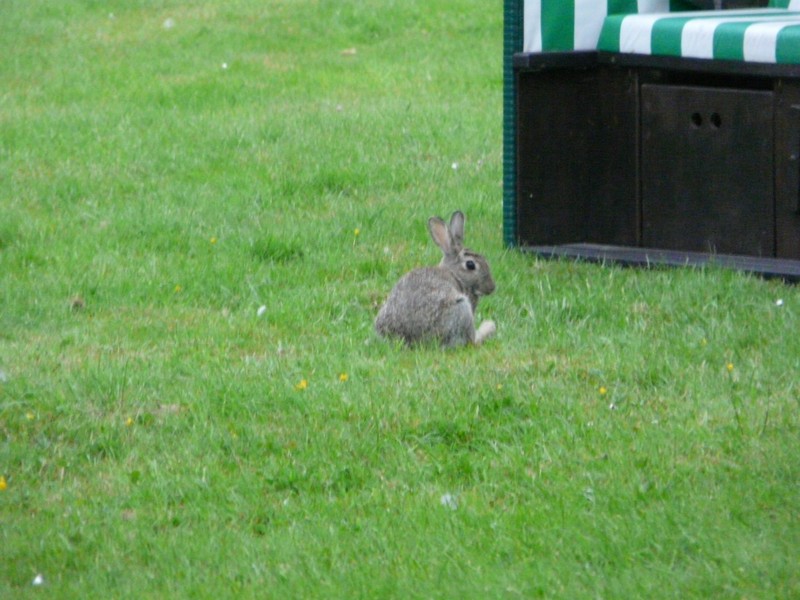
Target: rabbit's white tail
(485,331)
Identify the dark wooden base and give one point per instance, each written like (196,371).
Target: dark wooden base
(618,155)
(771,268)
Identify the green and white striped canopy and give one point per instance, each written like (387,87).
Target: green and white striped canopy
(761,36)
(564,25)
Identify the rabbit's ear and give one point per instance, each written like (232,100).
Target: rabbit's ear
(440,234)
(457,230)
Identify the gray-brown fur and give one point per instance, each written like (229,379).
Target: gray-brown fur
(438,303)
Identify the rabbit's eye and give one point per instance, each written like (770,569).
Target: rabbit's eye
(471,265)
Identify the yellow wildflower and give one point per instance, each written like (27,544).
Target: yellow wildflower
(603,391)
(128,421)
(343,377)
(213,239)
(302,385)
(3,484)
(356,232)
(729,366)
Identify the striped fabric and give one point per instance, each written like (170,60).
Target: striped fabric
(564,25)
(761,36)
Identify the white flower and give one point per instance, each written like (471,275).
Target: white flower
(261,311)
(168,23)
(779,302)
(38,580)
(448,500)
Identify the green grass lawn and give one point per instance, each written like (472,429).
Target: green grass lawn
(202,206)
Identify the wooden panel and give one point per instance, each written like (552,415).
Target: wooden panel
(614,206)
(787,170)
(576,161)
(556,110)
(707,170)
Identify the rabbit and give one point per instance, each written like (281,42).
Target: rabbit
(438,303)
